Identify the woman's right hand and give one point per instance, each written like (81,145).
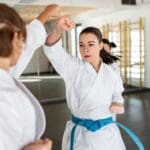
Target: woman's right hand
(64,23)
(39,145)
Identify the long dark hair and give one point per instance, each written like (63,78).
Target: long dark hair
(106,57)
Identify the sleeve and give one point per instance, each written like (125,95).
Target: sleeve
(36,36)
(118,89)
(11,128)
(115,67)
(65,64)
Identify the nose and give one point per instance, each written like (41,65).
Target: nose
(85,48)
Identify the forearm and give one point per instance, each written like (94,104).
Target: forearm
(51,12)
(58,57)
(117,104)
(36,36)
(53,38)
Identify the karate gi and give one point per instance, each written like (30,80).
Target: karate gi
(89,95)
(115,67)
(22,118)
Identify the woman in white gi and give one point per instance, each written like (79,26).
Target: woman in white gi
(93,91)
(22,119)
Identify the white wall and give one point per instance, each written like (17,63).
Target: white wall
(109,15)
(98,18)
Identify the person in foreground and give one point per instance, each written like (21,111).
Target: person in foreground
(91,87)
(93,92)
(22,120)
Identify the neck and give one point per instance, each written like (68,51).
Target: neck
(96,65)
(4,63)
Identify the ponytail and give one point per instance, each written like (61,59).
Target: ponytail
(108,58)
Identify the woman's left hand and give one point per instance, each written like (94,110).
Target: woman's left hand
(116,108)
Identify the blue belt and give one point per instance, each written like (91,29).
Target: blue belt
(98,124)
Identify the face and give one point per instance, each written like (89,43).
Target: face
(17,45)
(90,48)
(107,47)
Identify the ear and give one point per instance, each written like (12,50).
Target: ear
(15,40)
(101,44)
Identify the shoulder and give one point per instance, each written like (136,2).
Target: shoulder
(7,86)
(6,81)
(110,67)
(8,90)
(114,68)
(110,70)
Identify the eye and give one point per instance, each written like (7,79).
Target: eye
(81,45)
(91,44)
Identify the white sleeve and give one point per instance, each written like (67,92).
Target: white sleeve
(36,36)
(65,64)
(118,89)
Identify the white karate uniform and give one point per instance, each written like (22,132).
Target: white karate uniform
(22,118)
(89,95)
(115,67)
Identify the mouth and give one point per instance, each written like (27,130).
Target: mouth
(87,56)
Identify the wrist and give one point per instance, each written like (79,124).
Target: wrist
(117,104)
(53,38)
(44,17)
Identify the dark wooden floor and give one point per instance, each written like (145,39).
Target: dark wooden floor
(136,117)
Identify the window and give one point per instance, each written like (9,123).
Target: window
(129,37)
(75,40)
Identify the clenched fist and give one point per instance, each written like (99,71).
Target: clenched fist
(39,145)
